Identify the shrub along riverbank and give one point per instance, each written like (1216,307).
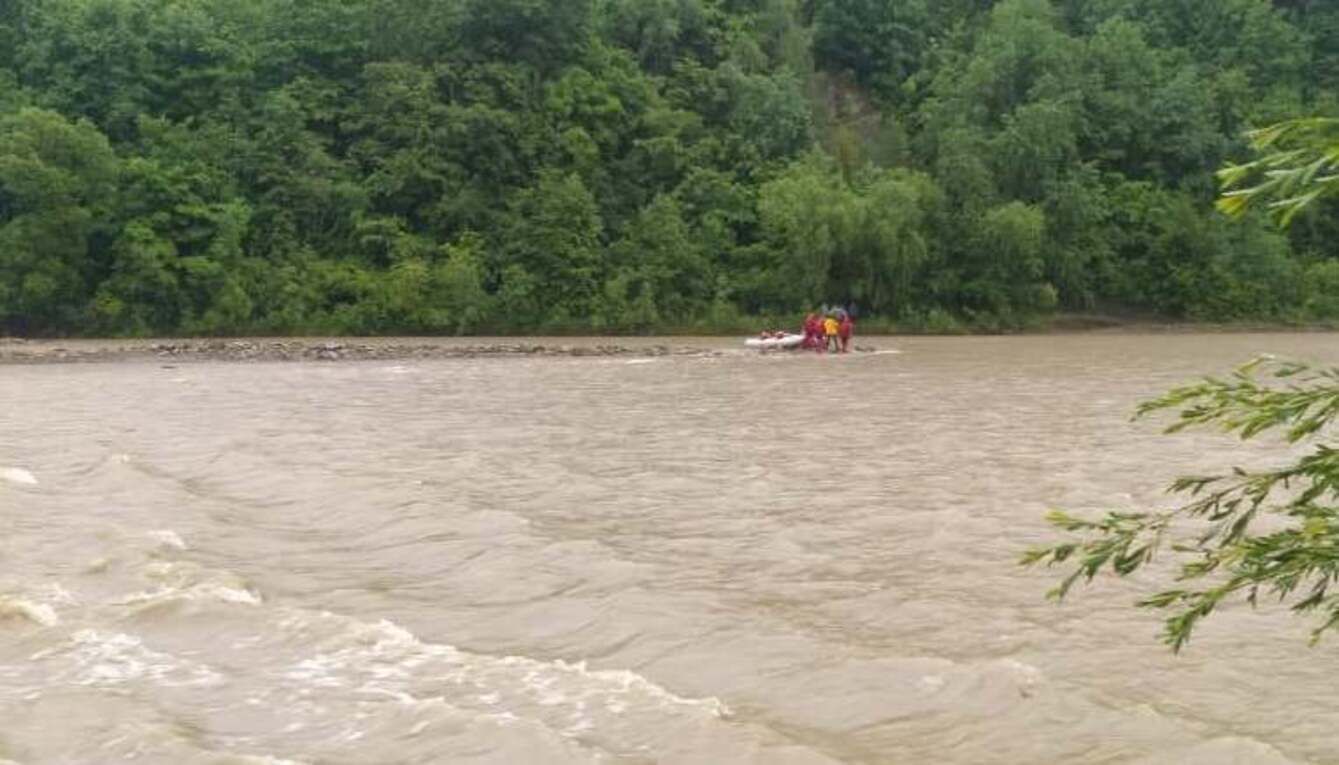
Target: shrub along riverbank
(216,167)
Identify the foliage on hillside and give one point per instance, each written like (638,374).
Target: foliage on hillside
(224,166)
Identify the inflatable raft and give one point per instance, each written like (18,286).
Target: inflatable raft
(775,343)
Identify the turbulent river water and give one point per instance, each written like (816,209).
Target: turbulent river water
(735,559)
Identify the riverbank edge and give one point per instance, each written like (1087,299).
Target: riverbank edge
(1060,323)
(170,351)
(20,351)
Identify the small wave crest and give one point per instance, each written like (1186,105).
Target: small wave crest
(207,591)
(167,539)
(16,608)
(384,660)
(256,759)
(18,476)
(99,658)
(184,581)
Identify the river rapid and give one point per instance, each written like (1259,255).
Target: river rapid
(733,558)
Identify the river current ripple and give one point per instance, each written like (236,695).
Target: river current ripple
(780,559)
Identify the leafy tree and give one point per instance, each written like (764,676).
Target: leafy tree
(1007,278)
(303,196)
(1226,33)
(1299,164)
(661,273)
(10,31)
(801,215)
(306,165)
(888,244)
(772,115)
(554,235)
(1144,114)
(830,241)
(1036,146)
(658,31)
(1241,534)
(1270,531)
(55,180)
(546,34)
(879,41)
(459,285)
(402,125)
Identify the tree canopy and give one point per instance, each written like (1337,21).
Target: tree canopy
(225,166)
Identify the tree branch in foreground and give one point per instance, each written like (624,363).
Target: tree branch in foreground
(1241,534)
(1298,164)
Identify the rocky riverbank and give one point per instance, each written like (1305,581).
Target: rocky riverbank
(14,351)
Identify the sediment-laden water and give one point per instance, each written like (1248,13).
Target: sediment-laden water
(710,558)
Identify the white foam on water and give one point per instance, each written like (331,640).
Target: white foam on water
(541,676)
(932,683)
(1025,674)
(57,594)
(167,538)
(262,759)
(18,476)
(385,660)
(179,580)
(41,614)
(638,362)
(101,658)
(206,591)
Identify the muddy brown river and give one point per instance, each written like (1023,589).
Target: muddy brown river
(783,560)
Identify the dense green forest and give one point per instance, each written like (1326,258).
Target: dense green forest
(373,166)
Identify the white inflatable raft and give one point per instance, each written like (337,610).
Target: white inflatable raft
(775,343)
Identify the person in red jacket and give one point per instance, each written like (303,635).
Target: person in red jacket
(812,331)
(845,330)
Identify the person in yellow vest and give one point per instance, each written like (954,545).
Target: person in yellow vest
(830,329)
